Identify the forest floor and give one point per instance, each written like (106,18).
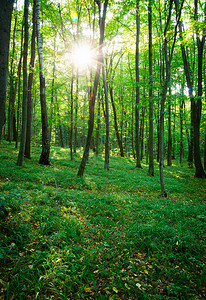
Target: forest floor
(109,235)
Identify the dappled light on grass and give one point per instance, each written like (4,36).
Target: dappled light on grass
(107,235)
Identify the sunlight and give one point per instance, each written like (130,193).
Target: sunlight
(82,56)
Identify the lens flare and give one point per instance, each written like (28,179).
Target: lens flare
(74,16)
(82,56)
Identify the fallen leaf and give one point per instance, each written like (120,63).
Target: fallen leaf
(138,285)
(87,290)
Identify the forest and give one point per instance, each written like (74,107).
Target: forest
(102,149)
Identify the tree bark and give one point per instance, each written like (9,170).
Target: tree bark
(173,134)
(44,158)
(199,171)
(71,115)
(138,162)
(76,112)
(11,110)
(59,124)
(169,148)
(94,90)
(168,61)
(119,140)
(25,86)
(30,80)
(98,124)
(6,8)
(106,161)
(150,143)
(19,89)
(181,129)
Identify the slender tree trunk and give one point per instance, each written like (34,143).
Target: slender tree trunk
(59,124)
(132,125)
(168,61)
(76,112)
(30,80)
(6,8)
(119,140)
(158,137)
(44,158)
(169,149)
(205,104)
(199,171)
(98,124)
(181,129)
(187,70)
(106,161)
(94,91)
(25,85)
(132,122)
(11,111)
(138,162)
(142,124)
(19,88)
(71,120)
(150,143)
(173,133)
(53,89)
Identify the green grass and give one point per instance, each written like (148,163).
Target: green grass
(107,236)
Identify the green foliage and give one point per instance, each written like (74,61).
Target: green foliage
(106,236)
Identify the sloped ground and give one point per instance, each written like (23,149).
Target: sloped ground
(107,236)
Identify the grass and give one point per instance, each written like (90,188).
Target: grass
(107,236)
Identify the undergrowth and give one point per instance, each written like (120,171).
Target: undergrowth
(107,236)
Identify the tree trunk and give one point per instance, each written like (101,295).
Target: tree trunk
(138,162)
(142,124)
(71,120)
(150,143)
(169,149)
(6,8)
(94,91)
(168,61)
(30,80)
(19,88)
(53,89)
(106,161)
(173,133)
(181,129)
(59,124)
(98,124)
(76,113)
(119,140)
(205,104)
(199,171)
(25,85)
(11,111)
(44,158)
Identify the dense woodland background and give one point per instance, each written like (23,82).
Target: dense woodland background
(148,83)
(118,87)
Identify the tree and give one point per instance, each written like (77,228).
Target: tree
(30,80)
(168,60)
(44,158)
(197,107)
(11,110)
(6,8)
(95,85)
(25,85)
(111,73)
(151,156)
(106,162)
(138,162)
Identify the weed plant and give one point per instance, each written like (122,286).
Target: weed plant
(108,235)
